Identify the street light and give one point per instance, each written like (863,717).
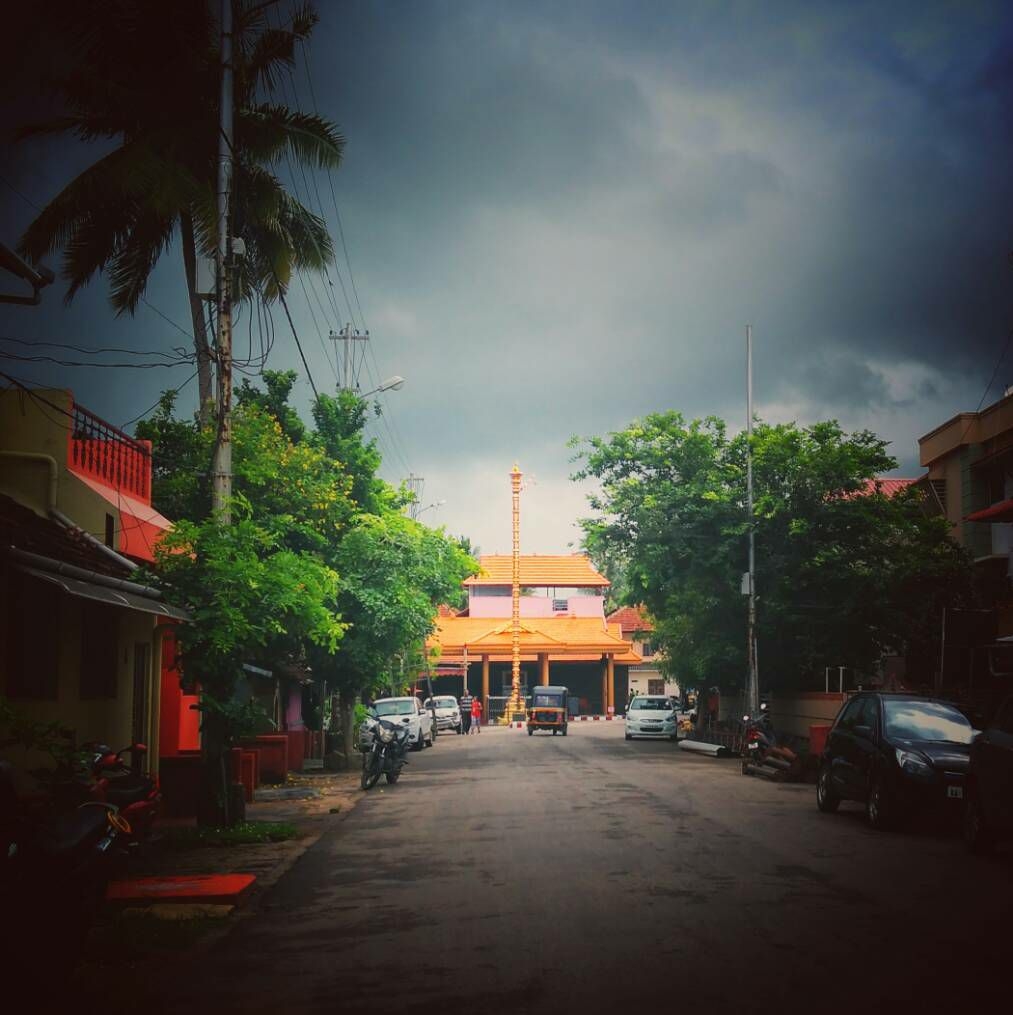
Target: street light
(436,504)
(394,383)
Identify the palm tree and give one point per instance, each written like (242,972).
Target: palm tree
(146,79)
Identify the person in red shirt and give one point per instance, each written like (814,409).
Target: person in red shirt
(476,715)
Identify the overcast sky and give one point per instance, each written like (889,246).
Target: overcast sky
(561,216)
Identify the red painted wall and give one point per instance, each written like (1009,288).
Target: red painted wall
(179,723)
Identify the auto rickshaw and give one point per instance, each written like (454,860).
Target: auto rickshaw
(548,709)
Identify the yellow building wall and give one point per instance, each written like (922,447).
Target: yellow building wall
(41,426)
(109,720)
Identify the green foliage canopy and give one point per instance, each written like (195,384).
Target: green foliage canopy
(843,575)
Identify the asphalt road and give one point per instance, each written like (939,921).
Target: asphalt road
(507,873)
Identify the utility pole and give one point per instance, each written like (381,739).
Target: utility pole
(415,485)
(348,336)
(753,703)
(221,467)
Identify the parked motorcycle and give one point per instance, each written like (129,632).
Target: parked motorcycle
(54,869)
(135,793)
(384,748)
(764,755)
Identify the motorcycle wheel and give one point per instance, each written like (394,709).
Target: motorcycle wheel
(370,771)
(393,777)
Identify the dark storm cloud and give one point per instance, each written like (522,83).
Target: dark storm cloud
(562,216)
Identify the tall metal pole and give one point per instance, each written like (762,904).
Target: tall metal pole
(221,468)
(754,678)
(515,706)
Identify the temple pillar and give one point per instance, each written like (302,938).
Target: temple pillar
(485,685)
(611,672)
(543,660)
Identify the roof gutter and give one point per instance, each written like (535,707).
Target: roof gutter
(83,574)
(107,551)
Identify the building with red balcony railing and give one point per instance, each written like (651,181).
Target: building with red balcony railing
(82,642)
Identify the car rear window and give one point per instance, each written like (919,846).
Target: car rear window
(547,700)
(649,704)
(395,708)
(933,721)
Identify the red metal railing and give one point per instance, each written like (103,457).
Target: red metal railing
(98,449)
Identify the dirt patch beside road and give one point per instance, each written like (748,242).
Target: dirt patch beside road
(133,937)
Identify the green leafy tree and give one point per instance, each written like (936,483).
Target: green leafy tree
(181,451)
(144,83)
(394,574)
(318,497)
(274,401)
(843,576)
(251,599)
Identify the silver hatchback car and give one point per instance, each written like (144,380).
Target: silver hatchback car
(447,711)
(652,715)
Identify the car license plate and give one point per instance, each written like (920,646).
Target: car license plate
(955,791)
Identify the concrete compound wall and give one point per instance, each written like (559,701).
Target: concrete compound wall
(791,713)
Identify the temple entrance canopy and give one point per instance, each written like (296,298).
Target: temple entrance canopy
(539,619)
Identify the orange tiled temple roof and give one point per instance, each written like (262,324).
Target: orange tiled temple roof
(563,638)
(570,570)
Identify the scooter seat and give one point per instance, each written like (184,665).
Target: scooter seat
(69,833)
(127,790)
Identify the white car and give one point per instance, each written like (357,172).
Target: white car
(651,715)
(448,712)
(419,720)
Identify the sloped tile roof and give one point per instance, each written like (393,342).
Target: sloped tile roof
(570,570)
(558,636)
(887,486)
(631,618)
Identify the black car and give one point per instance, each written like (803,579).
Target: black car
(896,754)
(988,812)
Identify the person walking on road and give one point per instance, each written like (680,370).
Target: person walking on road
(465,704)
(476,714)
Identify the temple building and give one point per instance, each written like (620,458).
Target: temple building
(564,637)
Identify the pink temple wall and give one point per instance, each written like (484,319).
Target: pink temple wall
(535,606)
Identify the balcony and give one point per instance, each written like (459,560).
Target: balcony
(99,450)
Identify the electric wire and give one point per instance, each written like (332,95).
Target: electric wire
(295,335)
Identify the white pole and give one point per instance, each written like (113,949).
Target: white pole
(754,676)
(840,679)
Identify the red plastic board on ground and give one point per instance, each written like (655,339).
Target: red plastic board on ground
(211,888)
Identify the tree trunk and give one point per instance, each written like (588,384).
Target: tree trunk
(200,336)
(213,804)
(347,724)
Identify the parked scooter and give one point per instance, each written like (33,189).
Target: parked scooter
(763,754)
(54,869)
(384,747)
(135,793)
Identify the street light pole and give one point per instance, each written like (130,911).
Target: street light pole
(753,694)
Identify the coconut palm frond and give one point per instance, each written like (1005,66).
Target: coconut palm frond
(95,238)
(100,185)
(308,137)
(259,198)
(80,125)
(271,55)
(149,236)
(309,240)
